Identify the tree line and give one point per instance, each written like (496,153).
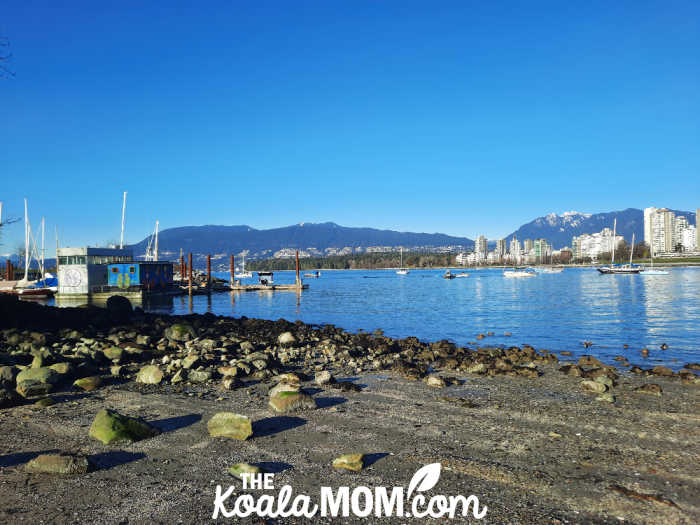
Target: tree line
(367,261)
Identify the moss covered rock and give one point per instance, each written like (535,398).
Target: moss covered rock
(150,374)
(180,332)
(291,402)
(88,383)
(244,468)
(230,425)
(110,427)
(65,464)
(354,462)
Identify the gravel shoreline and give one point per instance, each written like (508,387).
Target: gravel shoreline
(537,440)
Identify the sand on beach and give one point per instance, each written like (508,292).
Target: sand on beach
(532,450)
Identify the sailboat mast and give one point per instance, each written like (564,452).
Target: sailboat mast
(155,254)
(121,238)
(632,250)
(614,243)
(43,250)
(26,242)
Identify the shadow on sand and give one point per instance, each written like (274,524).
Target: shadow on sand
(12,460)
(270,426)
(274,466)
(327,402)
(108,460)
(175,423)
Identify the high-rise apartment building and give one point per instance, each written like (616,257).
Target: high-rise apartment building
(481,247)
(500,248)
(542,249)
(514,248)
(527,245)
(648,215)
(663,230)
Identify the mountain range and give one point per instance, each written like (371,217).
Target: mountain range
(559,229)
(315,239)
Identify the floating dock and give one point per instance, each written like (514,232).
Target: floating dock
(267,287)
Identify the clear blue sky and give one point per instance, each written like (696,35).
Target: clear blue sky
(457,117)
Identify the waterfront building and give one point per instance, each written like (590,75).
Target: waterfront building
(494,257)
(542,250)
(648,214)
(592,245)
(481,247)
(462,258)
(80,270)
(528,245)
(680,225)
(689,239)
(565,255)
(514,246)
(666,231)
(663,231)
(95,274)
(501,247)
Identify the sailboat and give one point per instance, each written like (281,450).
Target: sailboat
(243,274)
(43,288)
(516,273)
(402,270)
(152,248)
(652,270)
(620,268)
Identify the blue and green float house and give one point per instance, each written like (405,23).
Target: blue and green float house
(149,276)
(93,275)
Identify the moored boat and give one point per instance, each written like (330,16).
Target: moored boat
(402,270)
(519,273)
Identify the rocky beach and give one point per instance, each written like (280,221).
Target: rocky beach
(120,416)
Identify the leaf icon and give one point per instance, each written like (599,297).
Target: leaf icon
(424,479)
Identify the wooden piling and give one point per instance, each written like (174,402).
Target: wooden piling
(208,271)
(8,271)
(298,280)
(232,272)
(189,271)
(182,267)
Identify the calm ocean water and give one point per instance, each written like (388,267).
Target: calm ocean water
(556,312)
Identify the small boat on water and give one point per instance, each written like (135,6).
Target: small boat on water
(518,273)
(313,275)
(243,274)
(402,270)
(651,270)
(620,268)
(448,275)
(461,274)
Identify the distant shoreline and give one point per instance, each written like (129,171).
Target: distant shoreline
(467,268)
